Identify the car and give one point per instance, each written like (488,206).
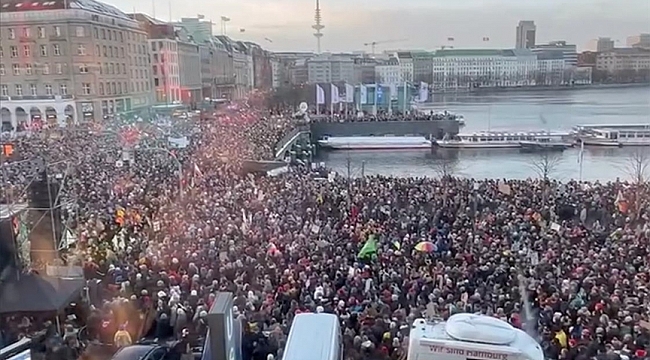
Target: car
(147,352)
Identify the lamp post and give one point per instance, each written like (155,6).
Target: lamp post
(178,163)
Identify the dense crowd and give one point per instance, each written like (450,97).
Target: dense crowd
(383,116)
(567,262)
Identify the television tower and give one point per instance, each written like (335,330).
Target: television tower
(318,26)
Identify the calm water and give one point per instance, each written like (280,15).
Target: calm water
(521,111)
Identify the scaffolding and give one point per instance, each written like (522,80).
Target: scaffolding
(15,201)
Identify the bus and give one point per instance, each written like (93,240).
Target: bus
(471,337)
(314,337)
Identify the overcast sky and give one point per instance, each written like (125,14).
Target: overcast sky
(418,24)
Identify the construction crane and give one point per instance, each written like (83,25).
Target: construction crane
(374,43)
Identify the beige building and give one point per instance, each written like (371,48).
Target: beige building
(70,61)
(623,59)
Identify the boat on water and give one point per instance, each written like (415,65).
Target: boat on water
(375,143)
(615,135)
(509,140)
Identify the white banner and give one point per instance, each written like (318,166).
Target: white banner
(320,95)
(335,94)
(393,91)
(349,93)
(424,92)
(363,94)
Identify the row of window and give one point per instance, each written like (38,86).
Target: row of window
(34,91)
(41,31)
(119,88)
(80,31)
(30,69)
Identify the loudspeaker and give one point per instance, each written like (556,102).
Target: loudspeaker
(43,196)
(47,227)
(8,251)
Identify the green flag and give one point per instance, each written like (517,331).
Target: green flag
(369,248)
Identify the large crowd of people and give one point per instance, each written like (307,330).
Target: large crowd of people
(567,262)
(382,116)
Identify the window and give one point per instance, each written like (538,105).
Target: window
(86,88)
(155,70)
(27,32)
(46,69)
(41,32)
(119,88)
(59,68)
(98,51)
(4,90)
(110,35)
(123,68)
(79,31)
(27,50)
(104,34)
(33,90)
(14,51)
(99,66)
(122,51)
(81,49)
(48,89)
(57,30)
(63,89)
(111,70)
(19,90)
(96,33)
(113,90)
(2,52)
(2,69)
(83,69)
(16,68)
(28,69)
(105,52)
(43,50)
(121,37)
(12,34)
(57,49)
(101,88)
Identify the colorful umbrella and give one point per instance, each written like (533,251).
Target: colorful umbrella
(425,246)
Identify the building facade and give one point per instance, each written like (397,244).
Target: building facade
(422,66)
(467,68)
(525,35)
(406,65)
(389,72)
(327,68)
(639,41)
(70,61)
(551,69)
(189,66)
(569,51)
(624,64)
(604,44)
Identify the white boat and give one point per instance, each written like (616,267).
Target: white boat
(375,143)
(615,135)
(506,140)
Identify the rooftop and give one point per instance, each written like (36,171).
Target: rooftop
(471,52)
(88,5)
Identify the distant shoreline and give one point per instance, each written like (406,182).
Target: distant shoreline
(487,90)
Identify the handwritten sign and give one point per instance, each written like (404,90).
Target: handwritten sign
(476,354)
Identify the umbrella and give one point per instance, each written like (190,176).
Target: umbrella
(425,246)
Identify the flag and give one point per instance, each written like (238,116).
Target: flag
(197,171)
(349,93)
(363,94)
(424,92)
(369,248)
(581,154)
(393,91)
(335,94)
(320,95)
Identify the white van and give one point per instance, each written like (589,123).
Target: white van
(314,337)
(471,337)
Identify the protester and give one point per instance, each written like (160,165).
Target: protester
(379,251)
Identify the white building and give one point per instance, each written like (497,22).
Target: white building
(453,69)
(569,51)
(276,73)
(623,59)
(327,68)
(551,68)
(406,64)
(389,72)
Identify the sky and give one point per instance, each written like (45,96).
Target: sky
(408,24)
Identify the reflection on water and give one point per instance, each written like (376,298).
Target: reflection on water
(514,111)
(599,163)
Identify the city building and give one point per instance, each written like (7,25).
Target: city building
(526,34)
(277,72)
(175,62)
(604,44)
(242,67)
(389,72)
(364,69)
(70,61)
(262,72)
(201,31)
(569,51)
(406,64)
(624,62)
(330,68)
(422,66)
(551,69)
(467,68)
(639,41)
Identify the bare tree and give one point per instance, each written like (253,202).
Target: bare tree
(545,164)
(445,168)
(638,165)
